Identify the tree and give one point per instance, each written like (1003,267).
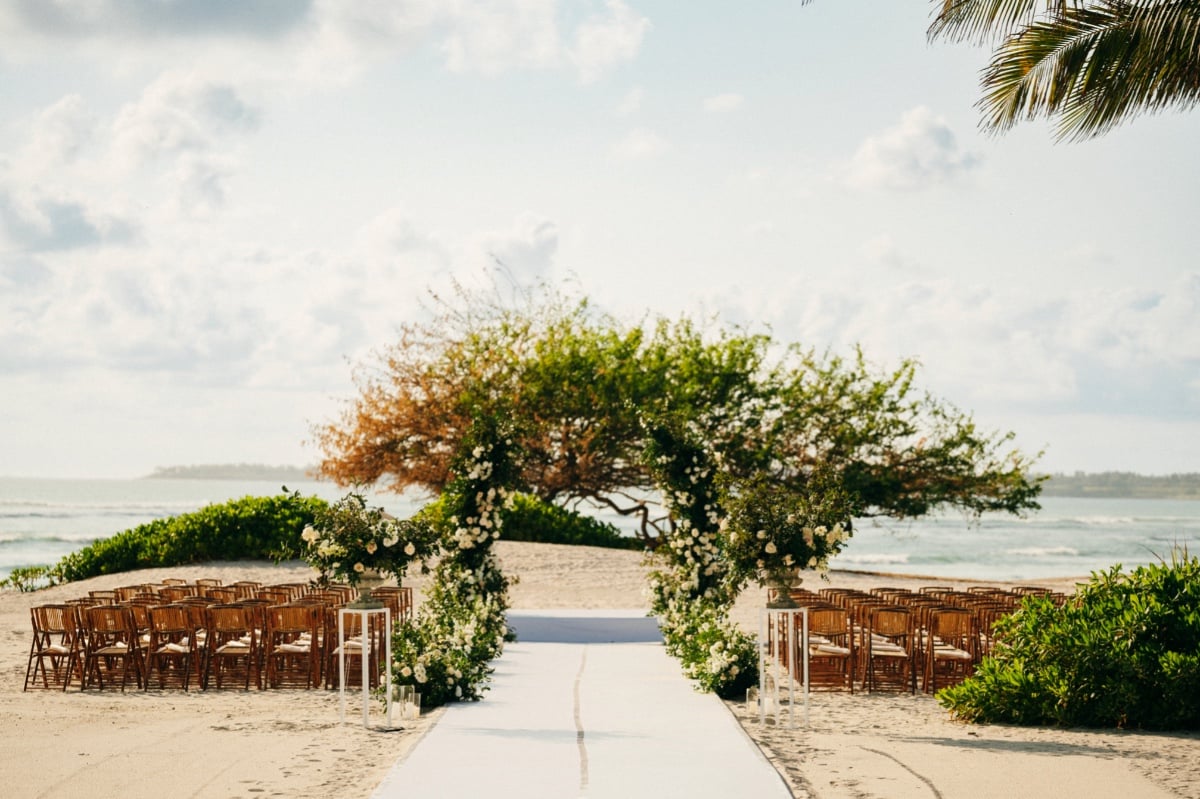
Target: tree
(575,382)
(579,389)
(900,453)
(1089,65)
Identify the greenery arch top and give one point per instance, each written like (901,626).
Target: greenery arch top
(737,456)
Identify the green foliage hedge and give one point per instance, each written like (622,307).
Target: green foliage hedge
(1124,653)
(530,519)
(248,528)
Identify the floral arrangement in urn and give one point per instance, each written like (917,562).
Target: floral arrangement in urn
(349,540)
(773,529)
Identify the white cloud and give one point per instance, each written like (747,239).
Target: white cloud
(186,130)
(762,228)
(527,249)
(39,223)
(179,113)
(344,29)
(723,103)
(631,103)
(640,143)
(58,133)
(284,42)
(884,251)
(1101,352)
(124,19)
(606,40)
(920,151)
(201,183)
(492,37)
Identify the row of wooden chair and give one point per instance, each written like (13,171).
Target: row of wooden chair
(884,639)
(198,639)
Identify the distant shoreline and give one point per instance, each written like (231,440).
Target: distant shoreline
(1122,485)
(1084,485)
(240,471)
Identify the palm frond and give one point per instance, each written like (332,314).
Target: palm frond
(986,21)
(1092,68)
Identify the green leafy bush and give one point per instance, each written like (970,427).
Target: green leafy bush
(1124,653)
(28,578)
(530,519)
(251,528)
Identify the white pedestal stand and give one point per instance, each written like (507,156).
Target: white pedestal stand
(781,652)
(365,626)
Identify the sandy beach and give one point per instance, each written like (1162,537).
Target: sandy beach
(291,743)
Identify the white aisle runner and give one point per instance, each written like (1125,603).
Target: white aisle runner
(585,704)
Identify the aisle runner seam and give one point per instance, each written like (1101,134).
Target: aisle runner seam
(579,734)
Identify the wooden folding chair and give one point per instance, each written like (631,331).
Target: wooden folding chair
(172,646)
(950,648)
(831,651)
(887,650)
(55,648)
(112,638)
(290,647)
(231,643)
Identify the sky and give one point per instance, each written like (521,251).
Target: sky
(212,210)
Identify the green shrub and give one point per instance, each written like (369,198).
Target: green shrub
(1124,653)
(28,578)
(249,528)
(528,518)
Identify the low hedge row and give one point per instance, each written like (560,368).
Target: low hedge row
(255,528)
(530,519)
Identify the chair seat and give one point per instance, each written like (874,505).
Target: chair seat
(294,648)
(942,652)
(830,649)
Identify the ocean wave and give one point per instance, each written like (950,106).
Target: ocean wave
(80,508)
(1104,521)
(872,558)
(1043,552)
(34,538)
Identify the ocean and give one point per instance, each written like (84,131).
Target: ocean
(43,520)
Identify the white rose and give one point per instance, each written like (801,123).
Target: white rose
(771,548)
(410,549)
